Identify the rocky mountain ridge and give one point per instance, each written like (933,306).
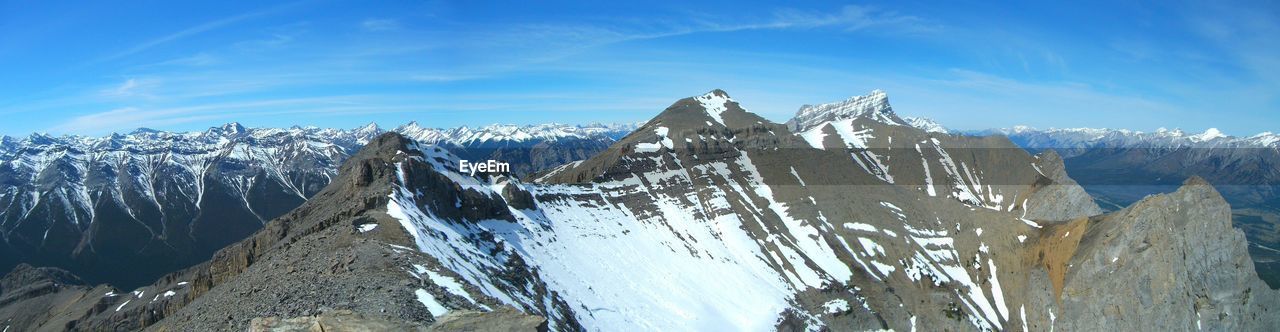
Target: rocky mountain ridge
(710,217)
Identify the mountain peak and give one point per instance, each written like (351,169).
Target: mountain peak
(371,127)
(1195,180)
(1208,135)
(925,124)
(714,108)
(234,128)
(715,103)
(874,105)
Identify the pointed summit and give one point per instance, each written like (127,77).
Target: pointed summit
(370,129)
(926,124)
(40,138)
(874,105)
(712,109)
(1208,135)
(715,103)
(1195,180)
(233,128)
(411,124)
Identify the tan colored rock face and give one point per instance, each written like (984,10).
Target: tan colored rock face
(1056,247)
(338,320)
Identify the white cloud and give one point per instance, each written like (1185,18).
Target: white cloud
(380,24)
(192,31)
(506,48)
(132,87)
(132,117)
(196,60)
(849,18)
(127,118)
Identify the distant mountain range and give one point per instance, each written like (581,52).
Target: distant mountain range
(1246,169)
(93,205)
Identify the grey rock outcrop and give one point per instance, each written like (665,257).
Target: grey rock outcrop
(337,320)
(1168,262)
(1059,198)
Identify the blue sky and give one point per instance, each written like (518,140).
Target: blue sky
(97,67)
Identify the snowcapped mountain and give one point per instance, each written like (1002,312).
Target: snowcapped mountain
(925,124)
(1074,140)
(709,217)
(716,195)
(874,106)
(723,220)
(89,204)
(500,134)
(92,204)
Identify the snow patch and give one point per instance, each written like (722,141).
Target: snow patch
(836,306)
(714,103)
(857,226)
(433,306)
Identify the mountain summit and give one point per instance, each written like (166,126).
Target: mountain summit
(874,105)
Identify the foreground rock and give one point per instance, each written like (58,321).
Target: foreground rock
(1169,262)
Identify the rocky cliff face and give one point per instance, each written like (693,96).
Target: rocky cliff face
(1168,262)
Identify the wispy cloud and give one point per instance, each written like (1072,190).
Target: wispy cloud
(510,47)
(1247,36)
(132,87)
(379,24)
(198,59)
(122,118)
(192,31)
(125,118)
(442,78)
(848,18)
